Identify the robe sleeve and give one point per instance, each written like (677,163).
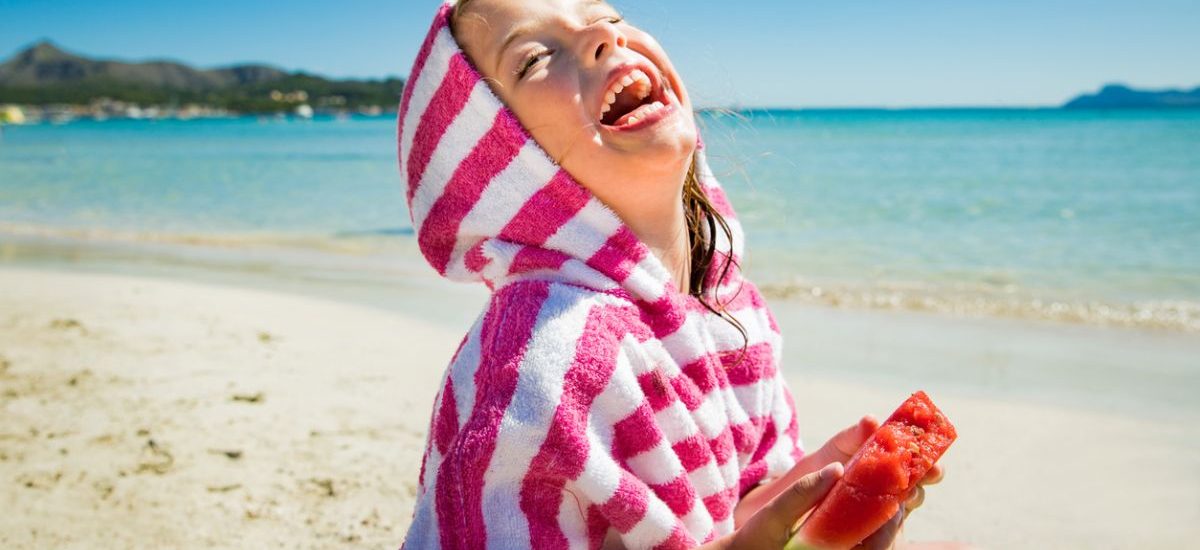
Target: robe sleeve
(779,447)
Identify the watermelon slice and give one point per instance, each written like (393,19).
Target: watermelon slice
(880,475)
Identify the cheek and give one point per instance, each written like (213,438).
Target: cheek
(552,110)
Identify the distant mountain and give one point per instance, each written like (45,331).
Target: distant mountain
(1116,96)
(44,64)
(44,74)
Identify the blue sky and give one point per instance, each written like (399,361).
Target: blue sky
(805,53)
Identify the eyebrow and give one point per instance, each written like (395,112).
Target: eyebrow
(526,28)
(516,33)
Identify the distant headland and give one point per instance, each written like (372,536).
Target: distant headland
(48,82)
(1117,96)
(45,82)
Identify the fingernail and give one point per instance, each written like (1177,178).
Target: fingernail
(832,470)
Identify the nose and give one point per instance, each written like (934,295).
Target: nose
(600,40)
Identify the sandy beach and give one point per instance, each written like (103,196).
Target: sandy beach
(149,414)
(140,412)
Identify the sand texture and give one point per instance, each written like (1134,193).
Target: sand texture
(148,414)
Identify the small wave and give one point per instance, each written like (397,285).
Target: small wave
(998,299)
(1173,315)
(381,232)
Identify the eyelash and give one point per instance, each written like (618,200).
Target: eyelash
(533,58)
(529,63)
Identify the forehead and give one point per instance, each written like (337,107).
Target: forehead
(486,28)
(491,22)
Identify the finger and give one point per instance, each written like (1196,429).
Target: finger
(850,439)
(845,443)
(885,536)
(934,475)
(915,500)
(805,493)
(775,520)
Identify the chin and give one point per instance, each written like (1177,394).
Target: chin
(673,156)
(674,145)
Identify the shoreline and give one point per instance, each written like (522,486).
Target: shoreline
(392,252)
(270,417)
(1030,361)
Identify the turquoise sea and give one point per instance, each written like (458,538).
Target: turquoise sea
(1087,217)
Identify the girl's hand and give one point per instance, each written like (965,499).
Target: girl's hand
(771,527)
(886,537)
(840,448)
(843,444)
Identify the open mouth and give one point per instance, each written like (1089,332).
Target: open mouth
(632,98)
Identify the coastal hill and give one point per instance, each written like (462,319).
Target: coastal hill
(44,74)
(45,65)
(1117,96)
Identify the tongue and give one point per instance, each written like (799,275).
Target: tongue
(641,112)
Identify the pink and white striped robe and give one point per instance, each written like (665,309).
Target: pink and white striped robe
(590,395)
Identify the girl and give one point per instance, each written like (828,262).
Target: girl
(622,386)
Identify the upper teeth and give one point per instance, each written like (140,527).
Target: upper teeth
(635,76)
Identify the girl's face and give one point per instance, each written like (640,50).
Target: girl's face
(599,95)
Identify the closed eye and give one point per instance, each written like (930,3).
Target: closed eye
(533,59)
(530,62)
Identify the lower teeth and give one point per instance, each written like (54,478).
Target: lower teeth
(646,112)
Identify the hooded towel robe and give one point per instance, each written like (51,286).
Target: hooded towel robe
(591,394)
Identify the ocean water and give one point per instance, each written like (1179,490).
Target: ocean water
(1072,216)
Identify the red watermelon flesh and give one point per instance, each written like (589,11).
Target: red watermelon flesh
(881,474)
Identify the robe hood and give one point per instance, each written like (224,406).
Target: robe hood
(591,398)
(488,204)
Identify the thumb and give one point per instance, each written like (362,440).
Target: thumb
(845,443)
(773,523)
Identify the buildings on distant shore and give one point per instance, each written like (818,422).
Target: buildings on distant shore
(106,109)
(103,110)
(280,104)
(12,114)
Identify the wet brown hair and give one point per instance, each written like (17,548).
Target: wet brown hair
(703,222)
